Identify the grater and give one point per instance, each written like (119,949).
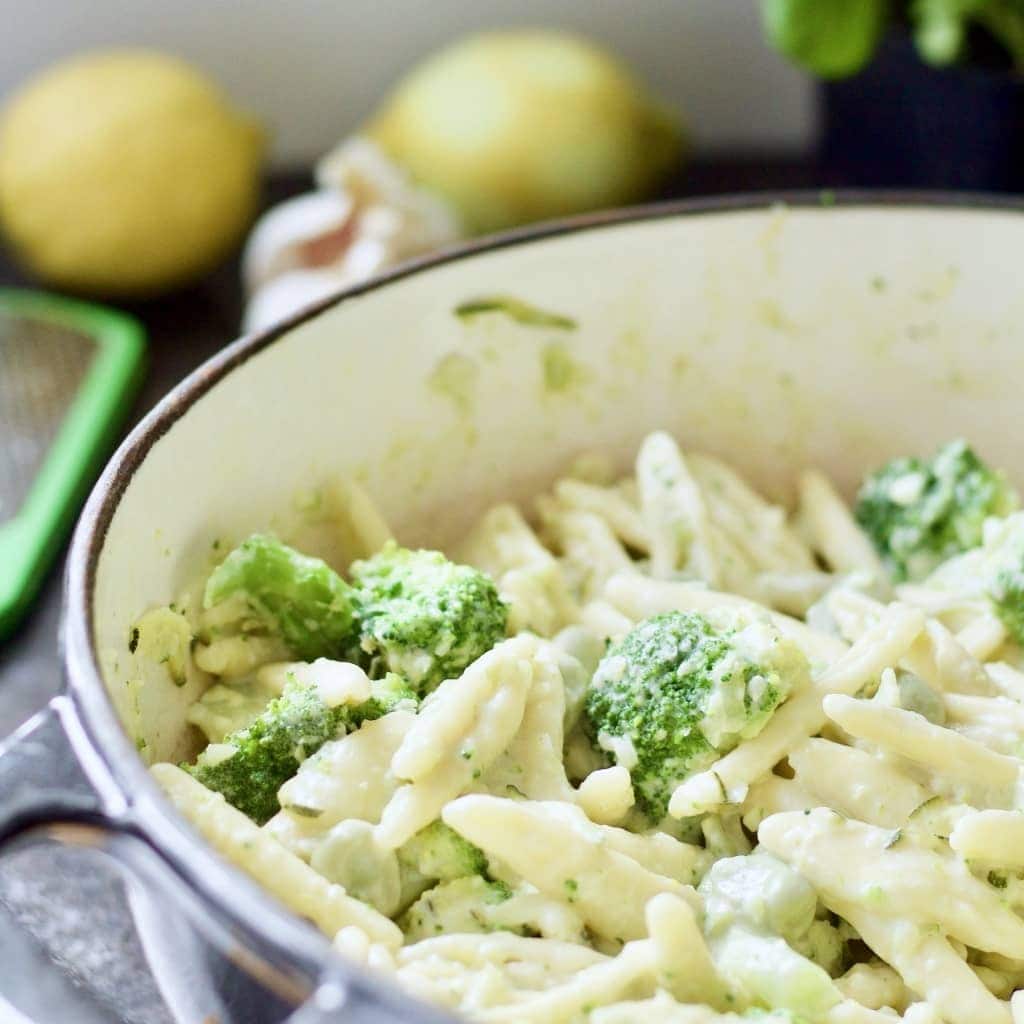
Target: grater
(68,370)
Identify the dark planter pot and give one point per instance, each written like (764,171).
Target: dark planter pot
(903,123)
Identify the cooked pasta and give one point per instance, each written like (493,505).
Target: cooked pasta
(652,748)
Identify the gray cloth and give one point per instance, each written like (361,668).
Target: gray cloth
(69,905)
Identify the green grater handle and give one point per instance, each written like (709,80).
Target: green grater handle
(30,540)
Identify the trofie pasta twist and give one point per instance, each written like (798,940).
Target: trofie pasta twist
(652,749)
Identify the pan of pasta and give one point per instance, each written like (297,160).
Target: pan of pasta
(617,622)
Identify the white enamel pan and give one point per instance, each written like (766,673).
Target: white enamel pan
(776,333)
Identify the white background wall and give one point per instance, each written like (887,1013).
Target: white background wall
(312,68)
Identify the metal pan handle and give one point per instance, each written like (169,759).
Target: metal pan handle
(52,791)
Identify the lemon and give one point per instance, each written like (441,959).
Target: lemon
(125,173)
(518,126)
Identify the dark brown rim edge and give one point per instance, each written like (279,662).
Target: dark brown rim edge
(196,862)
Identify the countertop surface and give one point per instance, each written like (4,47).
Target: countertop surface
(68,905)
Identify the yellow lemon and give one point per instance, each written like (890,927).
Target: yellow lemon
(518,126)
(125,173)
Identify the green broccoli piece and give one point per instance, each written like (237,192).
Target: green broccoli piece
(677,691)
(439,852)
(251,765)
(994,571)
(230,707)
(458,906)
(424,617)
(474,904)
(301,599)
(386,695)
(1008,598)
(435,854)
(919,513)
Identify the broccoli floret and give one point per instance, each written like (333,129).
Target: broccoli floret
(301,599)
(994,571)
(474,904)
(997,571)
(230,707)
(439,852)
(1008,598)
(677,691)
(424,617)
(460,905)
(918,513)
(251,765)
(435,854)
(386,695)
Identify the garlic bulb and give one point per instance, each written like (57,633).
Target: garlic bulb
(291,236)
(288,293)
(365,217)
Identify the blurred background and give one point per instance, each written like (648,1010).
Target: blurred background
(316,73)
(198,168)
